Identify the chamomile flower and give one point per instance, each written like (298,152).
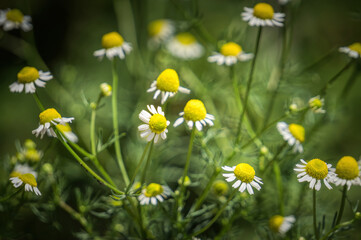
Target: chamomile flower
(66,130)
(280,224)
(167,83)
(195,113)
(155,124)
(230,54)
(347,172)
(29,180)
(185,46)
(316,104)
(153,193)
(313,172)
(113,45)
(28,77)
(245,177)
(49,118)
(262,14)
(160,31)
(353,51)
(294,134)
(15,19)
(22,169)
(220,188)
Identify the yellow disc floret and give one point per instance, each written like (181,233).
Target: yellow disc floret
(157,123)
(168,81)
(48,115)
(28,75)
(112,39)
(317,168)
(186,38)
(347,168)
(194,110)
(64,128)
(153,190)
(28,178)
(15,15)
(297,131)
(316,103)
(263,11)
(220,188)
(106,89)
(275,223)
(231,49)
(32,155)
(244,172)
(356,47)
(155,27)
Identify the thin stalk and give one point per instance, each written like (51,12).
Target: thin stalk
(115,124)
(278,176)
(283,146)
(315,229)
(92,132)
(147,163)
(138,166)
(220,211)
(82,220)
(38,102)
(83,164)
(249,84)
(342,206)
(237,95)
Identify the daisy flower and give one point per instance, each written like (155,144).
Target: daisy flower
(106,89)
(153,193)
(245,175)
(66,130)
(280,224)
(29,180)
(28,77)
(195,113)
(263,15)
(15,19)
(167,83)
(160,31)
(185,46)
(49,118)
(313,172)
(155,124)
(229,54)
(347,172)
(353,51)
(316,104)
(294,134)
(113,45)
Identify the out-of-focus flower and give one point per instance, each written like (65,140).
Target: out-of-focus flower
(280,224)
(262,14)
(28,77)
(353,51)
(106,89)
(15,19)
(316,104)
(160,31)
(294,134)
(113,45)
(220,188)
(66,130)
(153,193)
(230,54)
(185,46)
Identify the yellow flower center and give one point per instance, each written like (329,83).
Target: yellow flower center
(48,115)
(28,75)
(14,174)
(153,190)
(297,131)
(64,128)
(30,144)
(157,123)
(356,47)
(28,178)
(275,223)
(220,188)
(32,155)
(168,81)
(244,172)
(15,15)
(231,49)
(194,110)
(155,27)
(263,11)
(112,39)
(316,103)
(347,168)
(186,38)
(317,168)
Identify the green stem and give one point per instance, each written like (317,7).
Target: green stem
(38,102)
(342,206)
(138,166)
(278,176)
(115,123)
(283,146)
(83,164)
(220,211)
(249,84)
(237,95)
(315,229)
(147,163)
(92,132)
